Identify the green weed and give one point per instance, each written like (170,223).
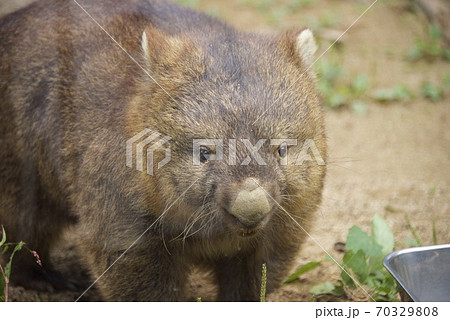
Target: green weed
(338,91)
(397,93)
(301,270)
(432,91)
(431,47)
(262,297)
(362,265)
(415,241)
(6,269)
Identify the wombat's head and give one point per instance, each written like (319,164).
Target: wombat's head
(247,145)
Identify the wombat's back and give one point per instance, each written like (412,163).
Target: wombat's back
(54,52)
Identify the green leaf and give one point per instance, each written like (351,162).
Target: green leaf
(18,247)
(402,92)
(435,32)
(375,263)
(446,54)
(301,270)
(360,84)
(410,242)
(347,280)
(384,94)
(336,100)
(323,288)
(432,91)
(358,264)
(382,234)
(339,289)
(359,240)
(415,54)
(397,93)
(359,107)
(3,237)
(446,81)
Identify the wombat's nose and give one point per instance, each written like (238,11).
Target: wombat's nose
(251,204)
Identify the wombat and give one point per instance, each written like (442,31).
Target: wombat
(82,81)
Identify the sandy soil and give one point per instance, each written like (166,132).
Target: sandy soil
(394,161)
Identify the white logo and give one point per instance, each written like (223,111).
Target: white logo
(144,144)
(253,150)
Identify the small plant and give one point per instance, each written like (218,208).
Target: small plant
(432,91)
(416,241)
(430,47)
(262,296)
(277,15)
(397,93)
(446,81)
(301,270)
(6,270)
(363,265)
(337,92)
(295,5)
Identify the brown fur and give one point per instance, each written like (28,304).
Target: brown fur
(69,100)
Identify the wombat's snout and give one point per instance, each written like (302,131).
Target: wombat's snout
(251,204)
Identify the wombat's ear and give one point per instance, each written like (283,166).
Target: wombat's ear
(144,45)
(306,47)
(165,54)
(301,46)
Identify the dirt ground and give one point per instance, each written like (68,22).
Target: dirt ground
(394,160)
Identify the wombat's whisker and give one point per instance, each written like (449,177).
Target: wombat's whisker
(193,218)
(342,160)
(205,215)
(201,212)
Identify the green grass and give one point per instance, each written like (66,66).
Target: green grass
(362,265)
(5,270)
(276,11)
(339,89)
(416,241)
(262,296)
(398,92)
(430,47)
(363,272)
(432,91)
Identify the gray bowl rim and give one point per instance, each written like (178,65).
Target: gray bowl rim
(388,258)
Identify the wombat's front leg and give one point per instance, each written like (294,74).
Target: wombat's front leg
(144,273)
(239,278)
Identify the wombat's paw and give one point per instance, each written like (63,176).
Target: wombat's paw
(46,280)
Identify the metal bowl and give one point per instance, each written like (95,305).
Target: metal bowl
(422,273)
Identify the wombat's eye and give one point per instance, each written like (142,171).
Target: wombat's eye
(204,154)
(282,151)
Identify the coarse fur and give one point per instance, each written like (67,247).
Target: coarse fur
(70,98)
